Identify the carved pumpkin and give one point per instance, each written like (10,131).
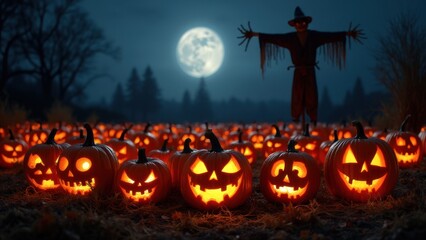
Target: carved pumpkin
(257,138)
(307,143)
(343,132)
(324,147)
(177,161)
(274,143)
(217,178)
(244,147)
(163,153)
(360,168)
(422,136)
(125,149)
(12,151)
(406,145)
(188,134)
(145,139)
(40,163)
(381,134)
(86,168)
(37,136)
(79,139)
(290,177)
(144,180)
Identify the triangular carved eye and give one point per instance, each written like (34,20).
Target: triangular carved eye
(8,148)
(310,146)
(232,166)
(151,177)
(400,142)
(247,151)
(349,156)
(18,148)
(378,159)
(123,150)
(198,167)
(126,178)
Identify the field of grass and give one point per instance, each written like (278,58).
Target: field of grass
(29,214)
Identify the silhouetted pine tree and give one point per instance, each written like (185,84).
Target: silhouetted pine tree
(186,107)
(118,101)
(149,99)
(132,94)
(203,110)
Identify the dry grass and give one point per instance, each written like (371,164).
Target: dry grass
(30,214)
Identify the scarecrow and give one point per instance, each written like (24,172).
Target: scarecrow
(302,45)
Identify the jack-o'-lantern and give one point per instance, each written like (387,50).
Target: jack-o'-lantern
(188,134)
(202,142)
(40,163)
(257,138)
(145,139)
(244,147)
(163,153)
(406,146)
(290,176)
(37,136)
(168,133)
(124,148)
(324,147)
(274,143)
(62,134)
(12,151)
(343,132)
(307,143)
(88,167)
(360,168)
(78,139)
(144,180)
(216,178)
(382,134)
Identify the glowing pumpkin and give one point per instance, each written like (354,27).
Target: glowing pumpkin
(144,180)
(257,138)
(360,168)
(406,145)
(145,139)
(244,147)
(125,149)
(274,143)
(37,136)
(307,143)
(87,168)
(217,178)
(188,134)
(163,153)
(324,147)
(12,151)
(40,163)
(290,176)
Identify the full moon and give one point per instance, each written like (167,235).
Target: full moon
(200,52)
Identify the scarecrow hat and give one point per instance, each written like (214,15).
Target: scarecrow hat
(298,17)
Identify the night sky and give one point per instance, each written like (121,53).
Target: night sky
(148,32)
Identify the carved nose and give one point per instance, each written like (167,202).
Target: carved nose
(213,176)
(364,167)
(70,174)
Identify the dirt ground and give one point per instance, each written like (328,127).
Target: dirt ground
(29,214)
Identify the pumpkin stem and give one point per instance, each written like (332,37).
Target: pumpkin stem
(142,156)
(82,133)
(306,132)
(291,147)
(277,130)
(360,134)
(51,137)
(147,127)
(41,125)
(12,137)
(186,146)
(122,134)
(404,123)
(164,146)
(240,136)
(336,136)
(90,139)
(216,147)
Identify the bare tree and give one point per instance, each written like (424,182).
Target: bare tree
(11,31)
(61,46)
(401,68)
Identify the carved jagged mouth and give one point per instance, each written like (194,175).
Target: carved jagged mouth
(290,192)
(138,196)
(75,188)
(217,195)
(407,157)
(361,186)
(12,160)
(45,184)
